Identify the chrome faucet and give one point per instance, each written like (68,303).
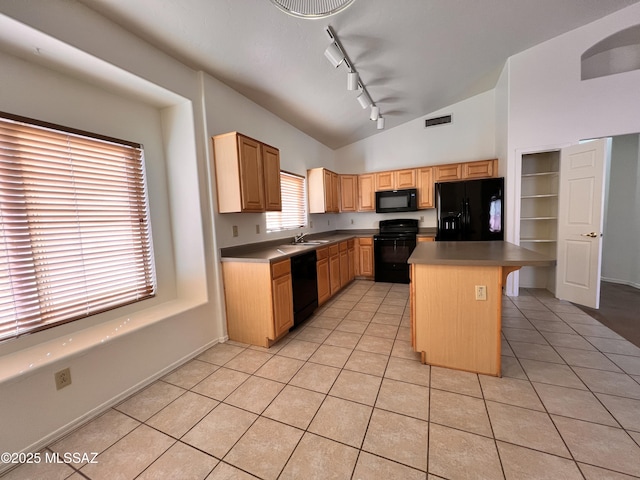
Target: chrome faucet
(299,238)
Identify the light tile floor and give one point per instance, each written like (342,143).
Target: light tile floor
(344,396)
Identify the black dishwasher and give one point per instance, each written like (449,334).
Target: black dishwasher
(305,286)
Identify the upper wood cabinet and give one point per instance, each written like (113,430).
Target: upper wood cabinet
(446,173)
(348,193)
(247,174)
(322,190)
(481,169)
(425,187)
(366,193)
(466,171)
(395,179)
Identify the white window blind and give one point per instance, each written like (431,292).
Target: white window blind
(75,237)
(294,209)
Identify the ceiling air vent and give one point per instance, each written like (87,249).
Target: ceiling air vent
(432,122)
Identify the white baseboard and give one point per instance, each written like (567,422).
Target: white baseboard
(95,412)
(620,282)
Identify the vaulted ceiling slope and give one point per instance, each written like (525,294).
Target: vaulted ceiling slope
(414,56)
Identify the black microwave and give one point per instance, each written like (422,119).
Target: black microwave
(390,201)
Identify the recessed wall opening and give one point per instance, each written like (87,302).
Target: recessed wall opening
(617,53)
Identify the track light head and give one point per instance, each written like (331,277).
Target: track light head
(375,113)
(334,54)
(352,81)
(364,100)
(380,123)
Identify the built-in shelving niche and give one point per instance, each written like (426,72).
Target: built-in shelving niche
(539,214)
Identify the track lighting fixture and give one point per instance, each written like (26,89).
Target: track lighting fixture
(334,54)
(352,80)
(375,113)
(363,99)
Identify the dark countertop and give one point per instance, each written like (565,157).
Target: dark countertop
(477,254)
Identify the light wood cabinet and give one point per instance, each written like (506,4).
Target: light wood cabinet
(247,174)
(322,267)
(265,315)
(351,251)
(344,264)
(404,178)
(334,269)
(425,188)
(322,191)
(447,173)
(348,193)
(365,257)
(384,181)
(395,179)
(366,193)
(425,239)
(272,191)
(481,169)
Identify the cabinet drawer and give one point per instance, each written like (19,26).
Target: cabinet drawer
(281,268)
(322,253)
(333,250)
(365,241)
(343,246)
(351,243)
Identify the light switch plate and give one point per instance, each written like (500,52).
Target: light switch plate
(481,292)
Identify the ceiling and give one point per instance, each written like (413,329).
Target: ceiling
(414,56)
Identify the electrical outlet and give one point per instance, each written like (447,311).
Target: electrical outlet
(235,230)
(63,378)
(352,221)
(422,218)
(258,229)
(481,292)
(328,222)
(311,224)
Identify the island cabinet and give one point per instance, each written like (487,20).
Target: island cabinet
(348,193)
(323,186)
(367,192)
(264,315)
(247,174)
(365,257)
(456,301)
(324,279)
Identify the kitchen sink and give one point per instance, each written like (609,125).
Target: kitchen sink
(311,242)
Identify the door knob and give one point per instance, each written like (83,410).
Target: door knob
(592,234)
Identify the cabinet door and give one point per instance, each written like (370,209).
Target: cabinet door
(282,304)
(426,239)
(384,181)
(365,254)
(251,175)
(405,178)
(366,193)
(425,187)
(344,264)
(324,290)
(335,195)
(271,164)
(351,253)
(481,169)
(445,173)
(334,269)
(328,198)
(348,193)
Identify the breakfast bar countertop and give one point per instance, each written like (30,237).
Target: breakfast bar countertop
(477,254)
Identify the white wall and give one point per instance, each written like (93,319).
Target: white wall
(621,257)
(471,136)
(549,106)
(226,111)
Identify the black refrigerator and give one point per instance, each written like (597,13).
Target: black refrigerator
(471,210)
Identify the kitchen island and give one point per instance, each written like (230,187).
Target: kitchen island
(456,301)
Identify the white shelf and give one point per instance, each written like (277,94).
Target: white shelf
(540,174)
(538,218)
(537,240)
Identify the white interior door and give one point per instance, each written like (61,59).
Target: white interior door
(580,217)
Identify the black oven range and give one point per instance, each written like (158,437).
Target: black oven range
(392,247)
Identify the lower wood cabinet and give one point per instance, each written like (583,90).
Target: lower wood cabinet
(334,268)
(351,254)
(259,301)
(425,239)
(322,267)
(365,257)
(344,264)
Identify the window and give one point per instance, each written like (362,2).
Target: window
(75,238)
(294,208)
